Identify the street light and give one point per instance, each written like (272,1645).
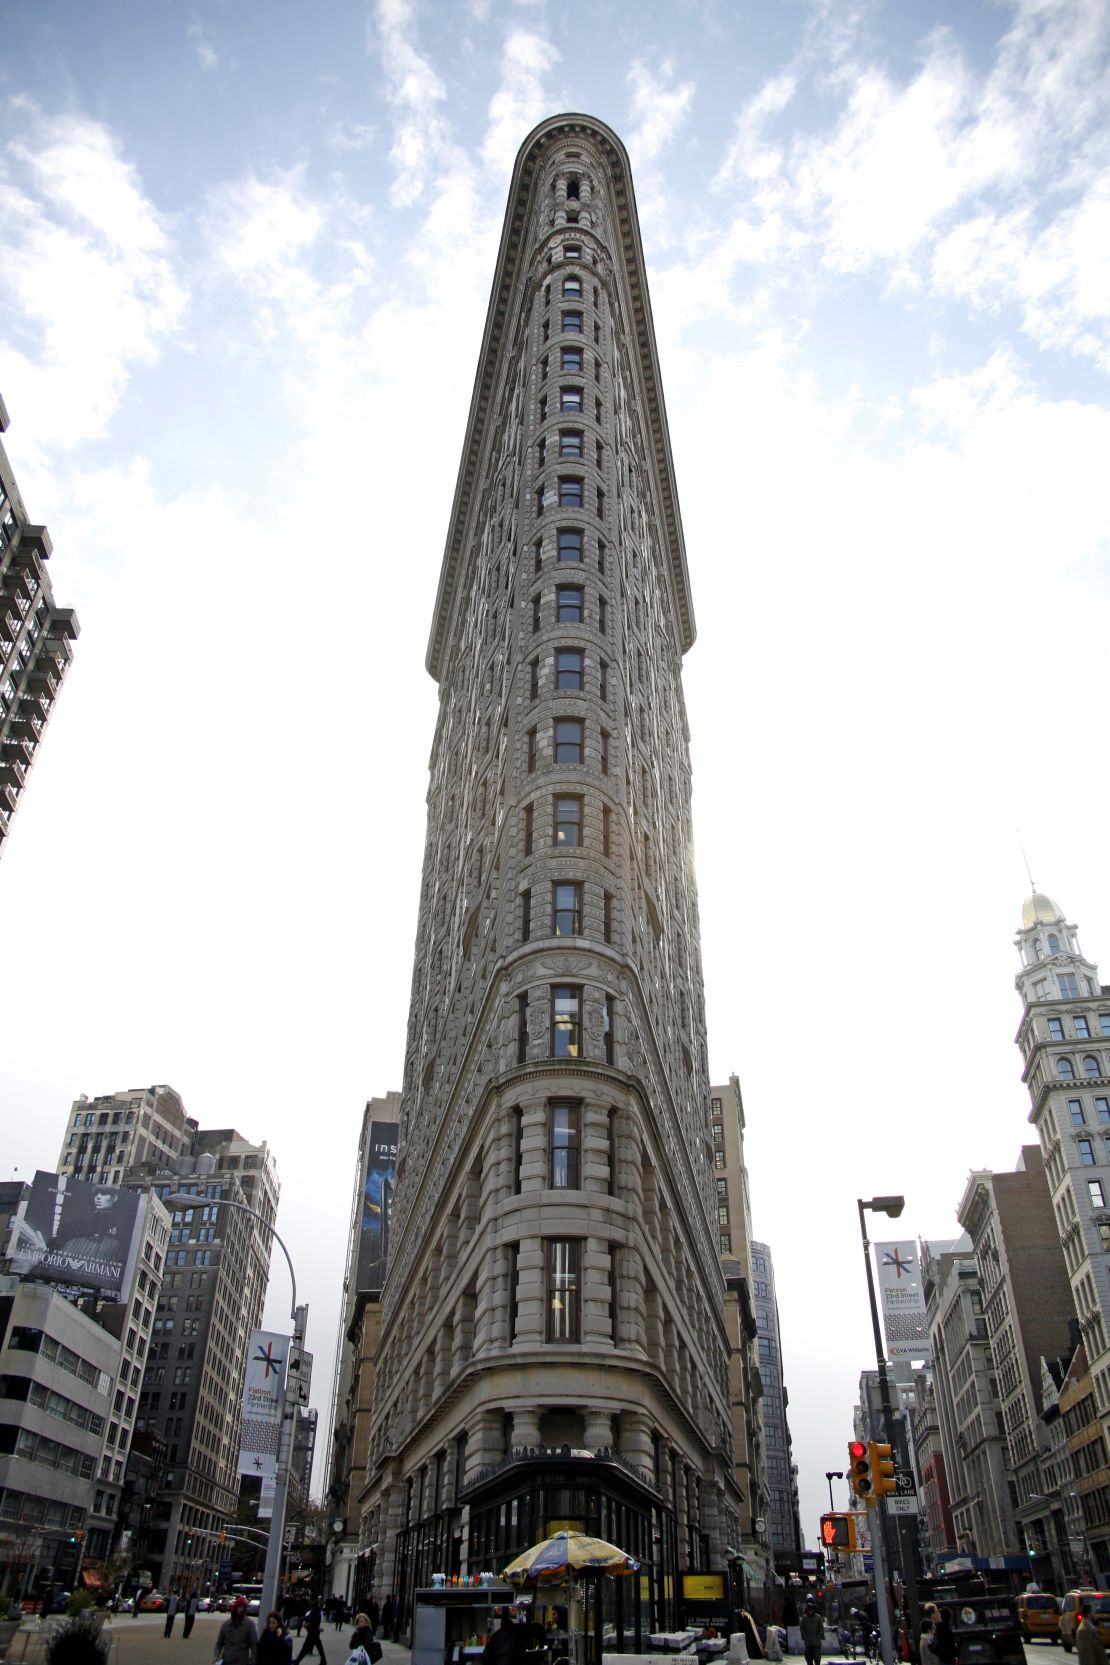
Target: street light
(893,1207)
(832,1474)
(299,1315)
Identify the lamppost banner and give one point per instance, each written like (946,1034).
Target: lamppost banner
(263,1402)
(902,1301)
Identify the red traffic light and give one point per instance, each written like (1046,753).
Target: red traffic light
(856,1450)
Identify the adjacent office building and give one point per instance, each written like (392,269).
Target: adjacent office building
(782,1476)
(553,1339)
(211,1298)
(1064,1038)
(35,640)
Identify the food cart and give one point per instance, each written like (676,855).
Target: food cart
(453,1622)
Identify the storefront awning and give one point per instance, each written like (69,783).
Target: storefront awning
(91,1580)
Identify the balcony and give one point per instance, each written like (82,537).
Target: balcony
(63,622)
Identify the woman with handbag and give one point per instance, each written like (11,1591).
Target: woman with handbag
(363,1643)
(275,1645)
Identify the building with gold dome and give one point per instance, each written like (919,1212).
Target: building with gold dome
(1064,1039)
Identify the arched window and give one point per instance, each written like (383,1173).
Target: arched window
(1065,1069)
(1053,943)
(1091,1067)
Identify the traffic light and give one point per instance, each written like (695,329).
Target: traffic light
(859,1471)
(838,1533)
(882,1469)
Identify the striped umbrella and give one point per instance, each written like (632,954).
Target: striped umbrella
(566,1553)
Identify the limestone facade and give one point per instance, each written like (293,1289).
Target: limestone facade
(554,1283)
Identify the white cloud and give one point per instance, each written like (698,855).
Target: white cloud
(660,105)
(352,136)
(202,45)
(416,94)
(73,205)
(519,101)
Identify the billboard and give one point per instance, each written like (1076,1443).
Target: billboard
(377,1201)
(902,1301)
(263,1403)
(77,1234)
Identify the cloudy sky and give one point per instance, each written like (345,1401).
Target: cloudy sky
(247,254)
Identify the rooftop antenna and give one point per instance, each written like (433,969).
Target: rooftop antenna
(1025,859)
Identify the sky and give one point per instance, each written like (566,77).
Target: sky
(247,253)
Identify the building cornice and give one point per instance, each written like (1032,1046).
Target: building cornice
(494,339)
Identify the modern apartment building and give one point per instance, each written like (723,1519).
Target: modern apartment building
(733,1202)
(1064,1037)
(35,638)
(213,1290)
(553,1338)
(1027,1306)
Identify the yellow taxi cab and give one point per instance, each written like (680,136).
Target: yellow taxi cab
(1073,1602)
(1039,1616)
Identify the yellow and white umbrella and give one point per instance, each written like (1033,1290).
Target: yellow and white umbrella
(566,1553)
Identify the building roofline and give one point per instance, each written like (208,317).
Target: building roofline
(497,327)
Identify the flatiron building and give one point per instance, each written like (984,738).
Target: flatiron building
(553,1345)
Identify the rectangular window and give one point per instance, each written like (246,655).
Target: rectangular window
(541,453)
(572,286)
(570,492)
(537,550)
(1055,1029)
(525,915)
(726,1243)
(566,909)
(601,555)
(535,614)
(597,404)
(568,821)
(570,399)
(1075,1105)
(1104,1022)
(609,1027)
(614,1292)
(568,604)
(569,739)
(602,615)
(566,1021)
(600,503)
(562,1289)
(539,499)
(1082,1028)
(1069,988)
(544,365)
(570,544)
(543,408)
(1102,1109)
(534,680)
(603,681)
(521,1039)
(570,361)
(606,832)
(570,442)
(1094,1188)
(568,668)
(571,251)
(572,323)
(530,738)
(604,752)
(529,827)
(1086,1153)
(607,917)
(563,1139)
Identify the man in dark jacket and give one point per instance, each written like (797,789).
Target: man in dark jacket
(313,1620)
(505,1646)
(237,1639)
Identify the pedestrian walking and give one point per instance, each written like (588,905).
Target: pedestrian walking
(237,1639)
(944,1638)
(313,1622)
(275,1645)
(137,1603)
(171,1612)
(373,1613)
(387,1616)
(506,1645)
(1088,1642)
(191,1606)
(813,1632)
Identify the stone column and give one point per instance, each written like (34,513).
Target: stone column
(598,1432)
(526,1427)
(635,1440)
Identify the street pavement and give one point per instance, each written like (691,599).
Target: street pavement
(140,1641)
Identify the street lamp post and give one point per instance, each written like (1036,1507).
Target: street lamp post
(892,1206)
(299,1316)
(832,1474)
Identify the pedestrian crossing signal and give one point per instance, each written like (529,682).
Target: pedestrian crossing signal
(859,1470)
(882,1469)
(838,1533)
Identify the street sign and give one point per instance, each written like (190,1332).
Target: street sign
(902,1506)
(903,1500)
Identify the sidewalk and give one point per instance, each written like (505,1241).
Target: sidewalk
(140,1641)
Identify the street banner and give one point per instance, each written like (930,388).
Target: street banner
(263,1403)
(266,1498)
(902,1301)
(377,1201)
(77,1235)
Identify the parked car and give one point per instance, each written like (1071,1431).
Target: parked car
(1039,1616)
(125,1605)
(206,1604)
(1099,1601)
(153,1601)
